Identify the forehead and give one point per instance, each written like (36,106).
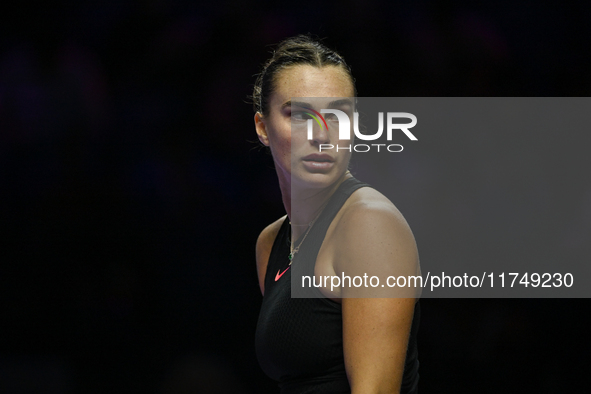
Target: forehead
(310,81)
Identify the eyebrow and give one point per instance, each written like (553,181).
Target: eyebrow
(332,104)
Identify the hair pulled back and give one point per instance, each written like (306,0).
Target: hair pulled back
(298,50)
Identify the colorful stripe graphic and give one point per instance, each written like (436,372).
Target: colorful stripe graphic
(316,117)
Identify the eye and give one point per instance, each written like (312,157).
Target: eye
(331,118)
(300,116)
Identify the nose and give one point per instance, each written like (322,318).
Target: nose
(319,133)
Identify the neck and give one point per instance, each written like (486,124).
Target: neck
(304,205)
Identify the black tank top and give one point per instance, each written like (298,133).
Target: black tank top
(299,341)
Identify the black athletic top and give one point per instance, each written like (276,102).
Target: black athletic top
(299,341)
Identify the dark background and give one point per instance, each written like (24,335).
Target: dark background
(132,188)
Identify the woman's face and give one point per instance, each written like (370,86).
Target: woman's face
(284,129)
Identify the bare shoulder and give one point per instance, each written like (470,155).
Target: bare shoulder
(263,249)
(372,233)
(369,207)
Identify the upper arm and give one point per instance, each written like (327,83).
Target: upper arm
(375,339)
(376,240)
(263,249)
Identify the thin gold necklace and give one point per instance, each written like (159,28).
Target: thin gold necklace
(293,250)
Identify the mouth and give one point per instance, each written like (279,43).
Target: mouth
(318,163)
(319,158)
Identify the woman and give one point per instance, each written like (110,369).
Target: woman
(337,342)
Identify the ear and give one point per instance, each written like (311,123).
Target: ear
(261,129)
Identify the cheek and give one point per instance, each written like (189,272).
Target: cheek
(300,144)
(286,146)
(280,144)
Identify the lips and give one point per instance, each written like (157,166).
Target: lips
(318,162)
(320,158)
